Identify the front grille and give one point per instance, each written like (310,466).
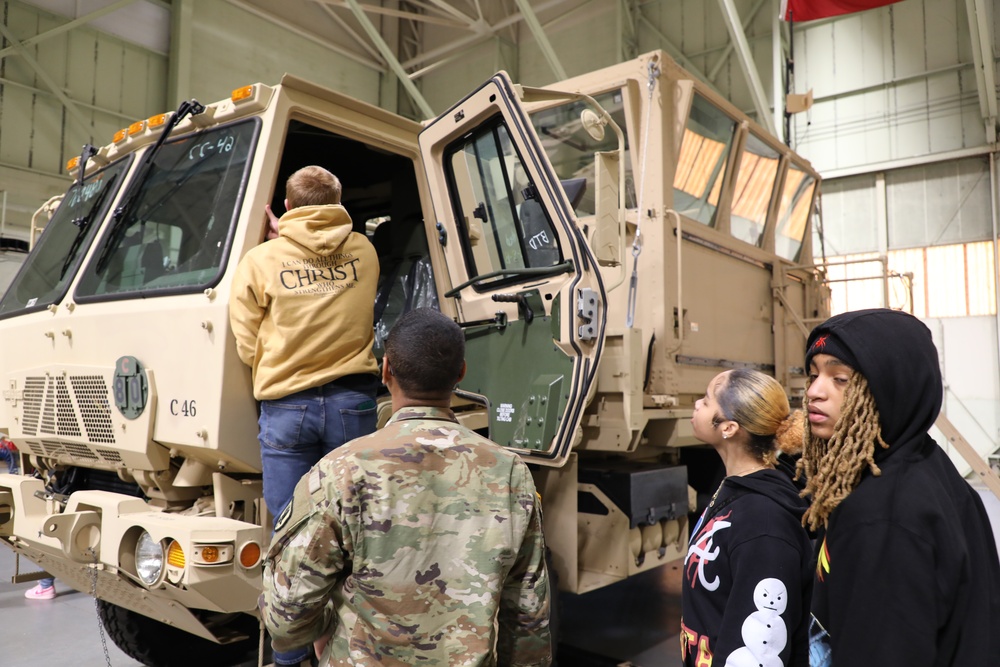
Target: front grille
(57,408)
(49,408)
(110,455)
(95,409)
(65,415)
(53,406)
(79,451)
(34,389)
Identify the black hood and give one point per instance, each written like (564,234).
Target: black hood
(896,354)
(777,486)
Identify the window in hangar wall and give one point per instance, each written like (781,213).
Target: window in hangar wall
(937,233)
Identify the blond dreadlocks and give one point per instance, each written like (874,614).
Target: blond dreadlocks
(833,467)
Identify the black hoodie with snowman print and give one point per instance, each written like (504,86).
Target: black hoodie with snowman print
(747,577)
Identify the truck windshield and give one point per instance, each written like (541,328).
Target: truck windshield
(571,149)
(174,235)
(46,274)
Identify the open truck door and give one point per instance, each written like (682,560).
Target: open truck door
(524,283)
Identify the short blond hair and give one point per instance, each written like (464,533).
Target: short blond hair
(312,186)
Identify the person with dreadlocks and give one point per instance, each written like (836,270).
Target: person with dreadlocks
(748,569)
(907,570)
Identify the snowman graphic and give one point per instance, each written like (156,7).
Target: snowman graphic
(764,632)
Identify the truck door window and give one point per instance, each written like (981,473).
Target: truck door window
(504,224)
(796,202)
(708,137)
(46,274)
(174,238)
(571,149)
(755,178)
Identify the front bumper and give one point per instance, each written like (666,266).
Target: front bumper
(90,545)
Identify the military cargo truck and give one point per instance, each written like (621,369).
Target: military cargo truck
(608,244)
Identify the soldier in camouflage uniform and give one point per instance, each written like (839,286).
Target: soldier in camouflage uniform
(420,544)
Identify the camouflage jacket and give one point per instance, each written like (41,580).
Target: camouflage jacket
(420,544)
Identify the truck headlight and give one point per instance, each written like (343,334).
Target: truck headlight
(148,559)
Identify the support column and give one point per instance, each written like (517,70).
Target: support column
(778,71)
(882,216)
(388,86)
(981,32)
(181,48)
(628,29)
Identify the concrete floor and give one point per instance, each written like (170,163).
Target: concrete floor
(63,631)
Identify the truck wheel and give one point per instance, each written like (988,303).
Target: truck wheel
(156,644)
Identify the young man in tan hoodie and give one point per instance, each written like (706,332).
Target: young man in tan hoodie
(301,310)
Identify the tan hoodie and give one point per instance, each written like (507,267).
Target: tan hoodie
(302,304)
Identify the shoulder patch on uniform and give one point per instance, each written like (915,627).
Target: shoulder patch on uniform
(285,515)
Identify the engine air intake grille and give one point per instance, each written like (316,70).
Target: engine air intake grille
(95,410)
(65,416)
(34,389)
(53,406)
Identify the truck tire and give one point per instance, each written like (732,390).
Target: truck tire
(157,644)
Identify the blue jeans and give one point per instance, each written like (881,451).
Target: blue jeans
(298,430)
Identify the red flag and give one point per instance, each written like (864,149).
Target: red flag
(809,10)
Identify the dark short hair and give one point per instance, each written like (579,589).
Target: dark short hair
(425,351)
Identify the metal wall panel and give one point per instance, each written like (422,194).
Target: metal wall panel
(912,61)
(109,81)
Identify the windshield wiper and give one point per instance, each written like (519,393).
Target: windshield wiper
(186,108)
(83,225)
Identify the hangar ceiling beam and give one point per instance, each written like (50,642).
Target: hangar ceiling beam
(69,25)
(717,67)
(453,11)
(390,57)
(291,27)
(732,19)
(981,32)
(397,13)
(473,40)
(345,26)
(542,39)
(56,89)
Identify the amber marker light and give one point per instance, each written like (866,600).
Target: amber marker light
(73,163)
(241,94)
(210,554)
(249,555)
(175,555)
(136,127)
(120,135)
(157,120)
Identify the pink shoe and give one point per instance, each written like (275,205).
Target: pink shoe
(39,593)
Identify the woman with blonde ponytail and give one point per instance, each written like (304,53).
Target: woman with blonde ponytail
(748,570)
